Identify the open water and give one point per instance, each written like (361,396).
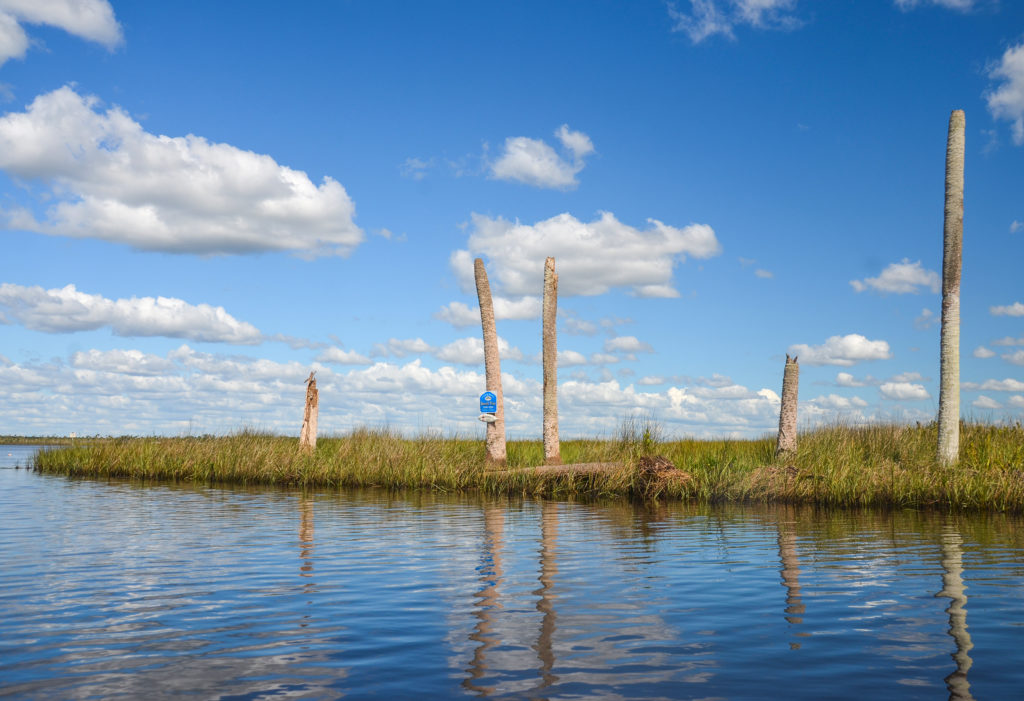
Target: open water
(119,590)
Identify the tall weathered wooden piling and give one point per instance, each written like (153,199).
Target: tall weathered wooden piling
(787,412)
(307,437)
(552,450)
(952,250)
(492,366)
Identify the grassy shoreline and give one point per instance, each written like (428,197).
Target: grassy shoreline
(885,465)
(37,440)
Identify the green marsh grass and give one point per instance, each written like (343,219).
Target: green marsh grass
(879,465)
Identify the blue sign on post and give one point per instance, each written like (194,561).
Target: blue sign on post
(488,403)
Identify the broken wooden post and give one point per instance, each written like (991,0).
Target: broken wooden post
(492,367)
(952,252)
(307,437)
(552,451)
(787,412)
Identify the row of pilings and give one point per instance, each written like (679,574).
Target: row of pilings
(949,352)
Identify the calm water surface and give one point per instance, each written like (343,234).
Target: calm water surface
(110,589)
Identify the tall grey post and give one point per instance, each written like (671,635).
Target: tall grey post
(492,366)
(952,250)
(787,412)
(552,450)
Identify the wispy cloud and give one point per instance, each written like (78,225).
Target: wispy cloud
(962,5)
(706,18)
(926,319)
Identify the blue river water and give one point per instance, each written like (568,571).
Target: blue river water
(122,590)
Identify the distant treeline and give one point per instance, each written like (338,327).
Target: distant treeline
(36,440)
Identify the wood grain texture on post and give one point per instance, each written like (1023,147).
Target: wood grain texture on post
(492,366)
(787,412)
(552,450)
(307,437)
(952,253)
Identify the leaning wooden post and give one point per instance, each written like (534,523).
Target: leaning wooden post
(952,249)
(787,412)
(307,437)
(492,367)
(552,451)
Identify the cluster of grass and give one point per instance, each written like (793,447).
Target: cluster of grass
(883,465)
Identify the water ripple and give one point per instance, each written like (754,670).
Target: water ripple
(111,590)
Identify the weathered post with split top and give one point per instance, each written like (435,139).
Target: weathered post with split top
(307,437)
(787,412)
(552,451)
(492,367)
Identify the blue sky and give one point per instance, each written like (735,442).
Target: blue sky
(201,202)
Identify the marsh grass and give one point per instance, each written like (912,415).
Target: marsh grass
(880,465)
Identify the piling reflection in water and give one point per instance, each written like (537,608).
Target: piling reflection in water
(790,570)
(545,594)
(490,572)
(954,589)
(306,541)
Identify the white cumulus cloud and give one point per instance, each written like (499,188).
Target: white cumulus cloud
(1015,309)
(1017,357)
(839,403)
(536,163)
(1007,385)
(92,20)
(591,257)
(110,179)
(902,391)
(983,352)
(470,351)
(127,362)
(984,402)
(901,278)
(570,358)
(1007,100)
(842,350)
(459,314)
(627,344)
(66,310)
(339,356)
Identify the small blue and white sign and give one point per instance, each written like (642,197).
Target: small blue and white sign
(488,403)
